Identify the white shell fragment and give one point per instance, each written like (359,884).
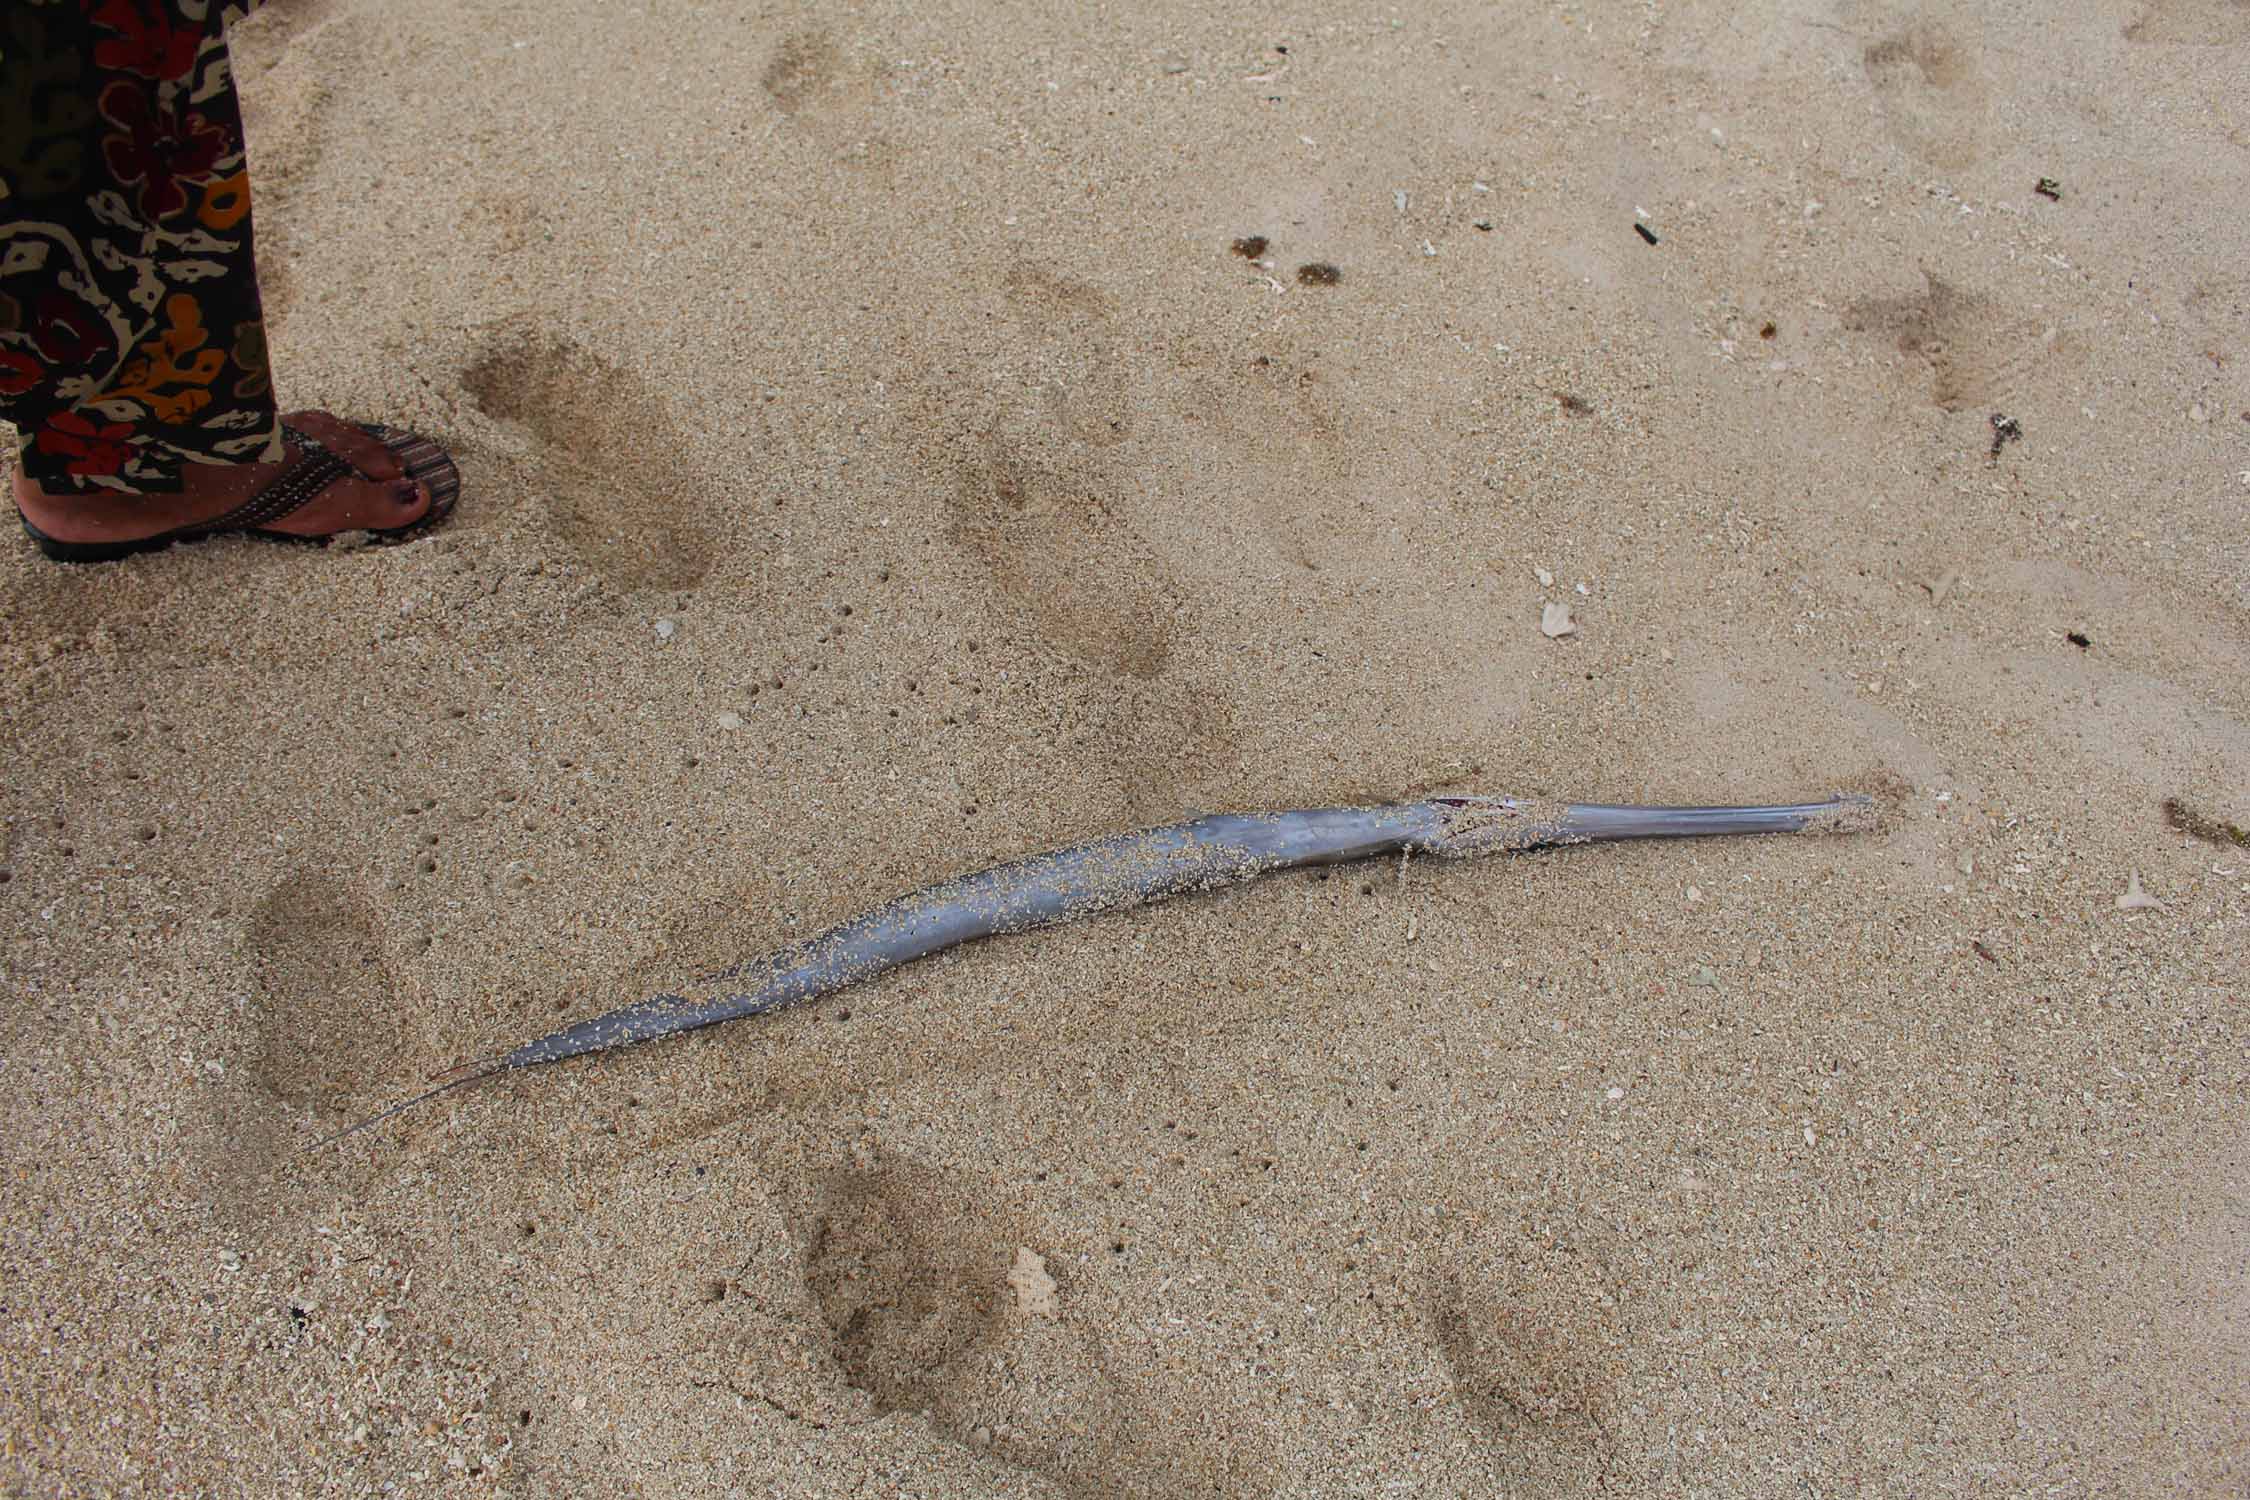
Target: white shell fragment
(1555,621)
(1035,1289)
(2136,899)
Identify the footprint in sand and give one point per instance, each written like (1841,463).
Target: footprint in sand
(1283,430)
(1522,1340)
(331,1041)
(693,1339)
(1056,548)
(1073,325)
(1933,92)
(826,98)
(805,71)
(1059,555)
(609,458)
(1042,499)
(908,1293)
(913,1284)
(2191,23)
(1036,499)
(331,1030)
(1975,353)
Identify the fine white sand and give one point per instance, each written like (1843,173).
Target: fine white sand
(898,356)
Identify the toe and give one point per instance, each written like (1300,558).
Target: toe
(425,463)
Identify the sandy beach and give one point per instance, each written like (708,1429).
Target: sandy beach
(897,438)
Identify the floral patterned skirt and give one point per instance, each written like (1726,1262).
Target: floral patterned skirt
(131,339)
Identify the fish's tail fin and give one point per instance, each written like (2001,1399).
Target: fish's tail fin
(487,1067)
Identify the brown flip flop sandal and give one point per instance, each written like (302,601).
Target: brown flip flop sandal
(316,468)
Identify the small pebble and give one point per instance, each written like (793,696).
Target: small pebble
(1546,579)
(1616,1094)
(1555,622)
(665,630)
(730,720)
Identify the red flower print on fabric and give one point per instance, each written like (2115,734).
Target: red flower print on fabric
(86,447)
(68,332)
(19,372)
(163,146)
(150,42)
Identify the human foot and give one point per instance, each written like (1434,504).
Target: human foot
(336,477)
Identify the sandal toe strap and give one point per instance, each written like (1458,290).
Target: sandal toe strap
(315,470)
(349,441)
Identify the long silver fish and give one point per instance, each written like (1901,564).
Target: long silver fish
(1131,869)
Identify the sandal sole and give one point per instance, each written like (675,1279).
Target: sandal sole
(423,460)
